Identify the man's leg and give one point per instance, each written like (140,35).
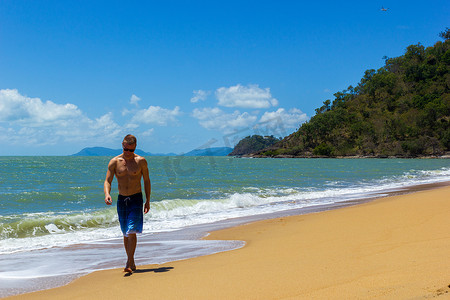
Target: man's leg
(130,247)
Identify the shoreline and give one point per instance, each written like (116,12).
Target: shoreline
(227,267)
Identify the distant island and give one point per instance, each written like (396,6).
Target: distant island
(102,151)
(399,110)
(214,151)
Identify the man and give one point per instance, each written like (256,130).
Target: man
(129,168)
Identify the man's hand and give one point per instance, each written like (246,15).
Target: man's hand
(146,207)
(108,200)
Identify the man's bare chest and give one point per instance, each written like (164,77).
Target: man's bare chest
(125,169)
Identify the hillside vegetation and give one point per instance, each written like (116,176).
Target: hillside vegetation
(252,144)
(401,109)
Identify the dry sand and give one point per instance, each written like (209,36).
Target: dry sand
(391,248)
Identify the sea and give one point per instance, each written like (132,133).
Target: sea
(55,226)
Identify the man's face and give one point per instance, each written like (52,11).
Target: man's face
(128,150)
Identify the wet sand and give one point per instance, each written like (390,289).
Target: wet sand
(391,248)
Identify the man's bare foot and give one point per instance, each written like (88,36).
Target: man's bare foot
(129,268)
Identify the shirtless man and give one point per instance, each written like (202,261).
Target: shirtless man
(129,168)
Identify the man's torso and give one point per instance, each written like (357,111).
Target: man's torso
(128,174)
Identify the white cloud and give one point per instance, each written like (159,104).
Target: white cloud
(30,121)
(131,126)
(199,95)
(104,122)
(17,108)
(148,132)
(215,118)
(251,96)
(286,119)
(156,115)
(100,130)
(207,113)
(126,112)
(134,99)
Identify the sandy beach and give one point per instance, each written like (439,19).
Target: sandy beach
(392,248)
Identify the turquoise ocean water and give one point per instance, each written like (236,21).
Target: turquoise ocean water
(49,204)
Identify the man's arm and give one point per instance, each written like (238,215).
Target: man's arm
(108,180)
(147,185)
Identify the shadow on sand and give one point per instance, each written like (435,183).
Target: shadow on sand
(155,270)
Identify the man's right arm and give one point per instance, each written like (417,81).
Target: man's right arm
(108,180)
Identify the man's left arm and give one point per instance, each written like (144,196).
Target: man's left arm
(147,185)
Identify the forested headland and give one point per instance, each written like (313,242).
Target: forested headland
(251,144)
(399,110)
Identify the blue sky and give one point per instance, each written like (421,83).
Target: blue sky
(182,75)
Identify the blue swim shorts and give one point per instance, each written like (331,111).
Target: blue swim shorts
(130,211)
